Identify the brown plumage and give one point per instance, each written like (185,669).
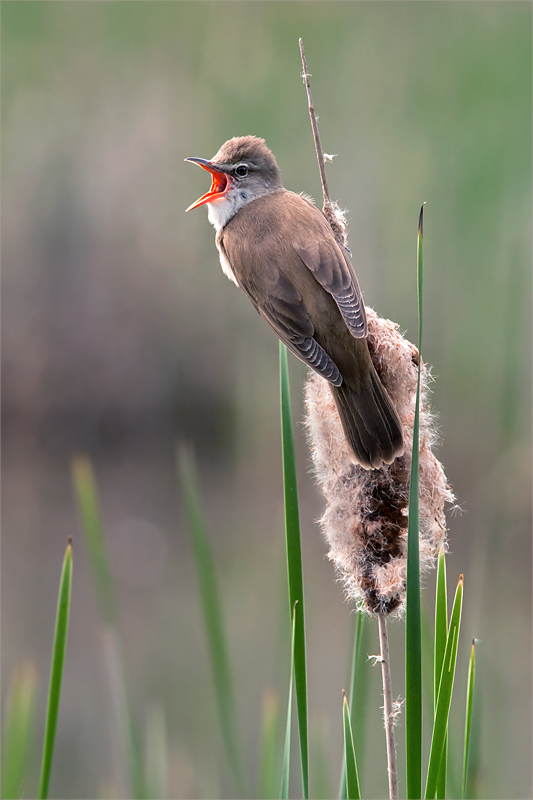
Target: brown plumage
(280,250)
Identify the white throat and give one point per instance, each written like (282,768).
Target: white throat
(222,210)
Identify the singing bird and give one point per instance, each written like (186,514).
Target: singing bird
(280,250)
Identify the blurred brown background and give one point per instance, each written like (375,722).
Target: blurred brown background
(121,337)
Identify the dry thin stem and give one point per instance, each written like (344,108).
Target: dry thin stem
(388,710)
(314,125)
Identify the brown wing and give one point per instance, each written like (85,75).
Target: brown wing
(287,316)
(333,270)
(280,304)
(280,245)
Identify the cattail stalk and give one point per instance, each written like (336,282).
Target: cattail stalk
(388,710)
(365,521)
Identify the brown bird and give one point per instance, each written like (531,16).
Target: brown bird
(280,250)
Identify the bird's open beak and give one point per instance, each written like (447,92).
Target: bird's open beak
(219,185)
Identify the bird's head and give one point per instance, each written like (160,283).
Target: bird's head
(243,169)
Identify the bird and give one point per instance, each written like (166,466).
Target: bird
(279,248)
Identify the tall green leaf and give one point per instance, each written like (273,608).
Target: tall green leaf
(156,748)
(56,672)
(357,695)
(126,740)
(87,496)
(468,718)
(352,779)
(285,771)
(18,729)
(441,633)
(213,620)
(413,646)
(294,563)
(445,694)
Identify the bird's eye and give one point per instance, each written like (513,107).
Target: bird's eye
(242,170)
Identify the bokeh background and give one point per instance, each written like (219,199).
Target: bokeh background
(122,338)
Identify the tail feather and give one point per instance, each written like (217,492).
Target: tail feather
(370,422)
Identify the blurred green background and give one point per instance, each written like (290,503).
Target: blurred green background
(122,337)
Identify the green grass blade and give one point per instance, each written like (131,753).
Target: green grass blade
(285,772)
(268,763)
(56,672)
(126,739)
(441,621)
(214,625)
(87,496)
(18,729)
(357,694)
(126,742)
(445,694)
(352,779)
(468,719)
(156,749)
(413,645)
(441,633)
(294,563)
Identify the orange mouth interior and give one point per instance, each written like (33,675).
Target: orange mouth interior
(219,187)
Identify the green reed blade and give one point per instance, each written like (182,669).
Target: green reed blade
(352,779)
(18,729)
(212,612)
(285,772)
(468,719)
(155,753)
(357,696)
(413,645)
(128,759)
(87,496)
(441,633)
(294,563)
(444,694)
(56,672)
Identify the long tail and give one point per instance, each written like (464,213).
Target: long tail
(370,423)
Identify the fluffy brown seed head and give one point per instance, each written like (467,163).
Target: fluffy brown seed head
(365,521)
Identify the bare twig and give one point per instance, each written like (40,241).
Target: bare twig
(337,221)
(388,710)
(330,209)
(314,126)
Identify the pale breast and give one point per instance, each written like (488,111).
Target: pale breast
(224,263)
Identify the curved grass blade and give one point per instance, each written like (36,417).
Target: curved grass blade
(441,621)
(294,564)
(125,739)
(156,749)
(214,624)
(56,672)
(18,729)
(87,496)
(352,779)
(469,706)
(413,644)
(445,694)
(268,770)
(441,634)
(285,772)
(357,694)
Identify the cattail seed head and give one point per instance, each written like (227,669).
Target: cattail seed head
(336,216)
(365,521)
